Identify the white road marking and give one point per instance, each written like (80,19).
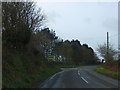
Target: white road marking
(84,80)
(78,72)
(82,77)
(45,85)
(53,76)
(56,74)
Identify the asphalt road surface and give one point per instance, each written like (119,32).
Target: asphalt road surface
(82,77)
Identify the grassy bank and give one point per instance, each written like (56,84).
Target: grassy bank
(25,80)
(111,70)
(24,69)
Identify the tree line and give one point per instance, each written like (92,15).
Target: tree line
(28,45)
(23,29)
(76,53)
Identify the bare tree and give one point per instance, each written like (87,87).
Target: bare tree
(102,49)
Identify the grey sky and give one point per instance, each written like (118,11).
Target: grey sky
(86,21)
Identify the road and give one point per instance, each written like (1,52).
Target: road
(82,77)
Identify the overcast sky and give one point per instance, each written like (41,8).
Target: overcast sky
(86,21)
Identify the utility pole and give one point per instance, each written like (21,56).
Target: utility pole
(119,32)
(107,46)
(119,45)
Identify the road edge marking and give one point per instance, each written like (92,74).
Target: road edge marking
(55,75)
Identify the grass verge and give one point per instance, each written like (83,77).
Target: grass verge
(108,72)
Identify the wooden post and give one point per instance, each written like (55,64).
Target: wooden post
(107,46)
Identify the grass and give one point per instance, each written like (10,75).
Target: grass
(109,70)
(23,80)
(20,72)
(17,76)
(25,69)
(68,66)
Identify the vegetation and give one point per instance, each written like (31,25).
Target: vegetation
(75,53)
(112,69)
(31,52)
(107,54)
(20,59)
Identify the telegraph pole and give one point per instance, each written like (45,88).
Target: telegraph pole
(118,45)
(107,46)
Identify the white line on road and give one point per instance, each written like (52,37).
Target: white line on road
(47,82)
(78,72)
(53,76)
(82,77)
(56,74)
(84,80)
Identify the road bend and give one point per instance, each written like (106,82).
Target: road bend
(81,77)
